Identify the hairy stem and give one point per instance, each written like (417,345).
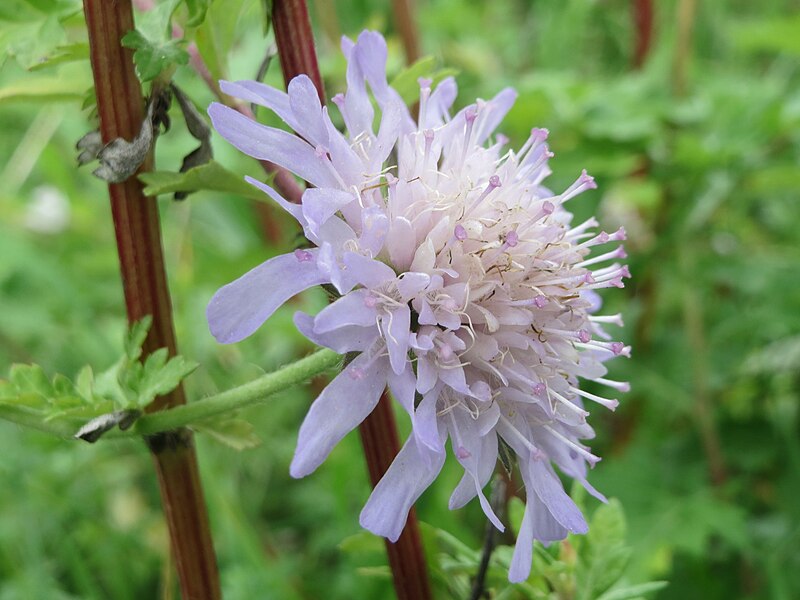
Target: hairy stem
(138,235)
(183,415)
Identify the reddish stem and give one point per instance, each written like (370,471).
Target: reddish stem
(295,42)
(643,22)
(407,28)
(379,437)
(138,234)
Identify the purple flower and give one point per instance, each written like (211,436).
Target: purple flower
(465,288)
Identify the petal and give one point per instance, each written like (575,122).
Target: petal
(240,307)
(550,491)
(486,458)
(403,388)
(425,423)
(371,56)
(523,550)
(358,112)
(397,334)
(293,209)
(340,408)
(411,472)
(374,226)
(367,271)
(306,108)
(320,204)
(493,113)
(410,284)
(345,339)
(350,309)
(400,241)
(274,145)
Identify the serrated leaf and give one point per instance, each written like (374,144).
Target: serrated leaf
(151,58)
(158,377)
(210,176)
(234,433)
(136,336)
(31,379)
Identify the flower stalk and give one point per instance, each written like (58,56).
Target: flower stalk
(138,235)
(379,436)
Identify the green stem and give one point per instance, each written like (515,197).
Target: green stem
(239,397)
(150,424)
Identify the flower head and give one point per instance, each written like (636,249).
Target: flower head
(465,288)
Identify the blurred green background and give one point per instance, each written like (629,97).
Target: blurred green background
(695,152)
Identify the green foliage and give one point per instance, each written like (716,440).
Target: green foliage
(152,57)
(210,176)
(584,568)
(128,384)
(705,182)
(406,81)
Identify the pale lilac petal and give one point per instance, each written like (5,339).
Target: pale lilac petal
(486,459)
(427,375)
(410,284)
(399,324)
(366,271)
(344,159)
(305,105)
(358,113)
(240,307)
(425,423)
(411,472)
(550,491)
(391,119)
(351,309)
(274,145)
(340,408)
(493,113)
(400,242)
(350,338)
(371,55)
(374,227)
(262,94)
(403,388)
(523,550)
(467,447)
(293,209)
(320,204)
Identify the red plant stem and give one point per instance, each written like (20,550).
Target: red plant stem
(407,28)
(295,42)
(379,436)
(138,234)
(643,23)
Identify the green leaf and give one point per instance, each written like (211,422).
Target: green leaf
(136,336)
(234,433)
(45,89)
(210,176)
(63,54)
(197,12)
(634,591)
(152,58)
(406,82)
(158,376)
